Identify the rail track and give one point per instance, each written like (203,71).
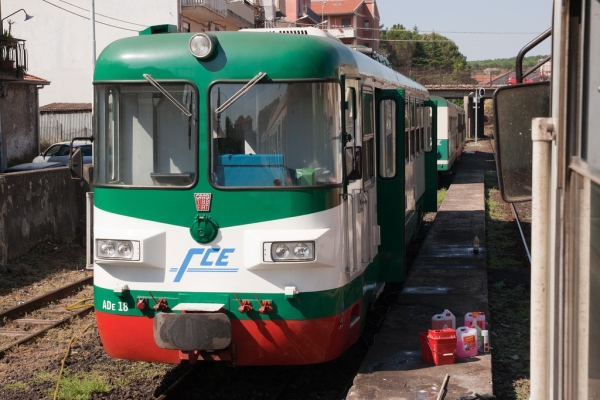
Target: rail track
(31,328)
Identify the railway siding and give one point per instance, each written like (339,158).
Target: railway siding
(446,274)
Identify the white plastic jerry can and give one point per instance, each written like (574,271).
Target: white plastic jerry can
(466,342)
(443,321)
(475,317)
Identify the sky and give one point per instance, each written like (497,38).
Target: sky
(478,18)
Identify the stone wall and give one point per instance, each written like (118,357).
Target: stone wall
(20,123)
(40,205)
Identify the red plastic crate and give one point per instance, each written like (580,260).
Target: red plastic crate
(438,347)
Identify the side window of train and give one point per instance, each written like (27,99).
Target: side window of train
(368,141)
(413,127)
(420,127)
(387,141)
(428,122)
(406,129)
(350,111)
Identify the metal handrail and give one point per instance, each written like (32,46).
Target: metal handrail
(218,6)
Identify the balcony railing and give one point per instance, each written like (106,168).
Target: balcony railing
(217,6)
(13,56)
(342,33)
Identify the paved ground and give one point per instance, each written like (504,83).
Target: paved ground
(446,274)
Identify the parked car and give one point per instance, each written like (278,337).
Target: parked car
(59,152)
(34,166)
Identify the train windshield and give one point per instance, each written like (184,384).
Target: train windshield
(142,137)
(276,134)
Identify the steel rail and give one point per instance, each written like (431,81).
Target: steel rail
(44,330)
(176,386)
(514,210)
(44,299)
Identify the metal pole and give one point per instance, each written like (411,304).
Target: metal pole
(93,36)
(476,112)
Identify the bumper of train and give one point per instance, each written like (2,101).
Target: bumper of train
(242,342)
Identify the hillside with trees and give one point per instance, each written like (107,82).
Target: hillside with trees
(428,58)
(507,64)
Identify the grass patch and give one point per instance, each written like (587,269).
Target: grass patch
(81,386)
(500,233)
(441,195)
(43,376)
(15,386)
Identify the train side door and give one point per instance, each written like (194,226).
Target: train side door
(367,195)
(390,183)
(356,199)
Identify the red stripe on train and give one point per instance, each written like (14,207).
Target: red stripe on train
(257,342)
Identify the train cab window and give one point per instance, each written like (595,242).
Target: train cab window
(368,142)
(406,130)
(142,137)
(419,127)
(413,128)
(387,142)
(277,135)
(350,114)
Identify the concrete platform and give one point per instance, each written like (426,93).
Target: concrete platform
(446,274)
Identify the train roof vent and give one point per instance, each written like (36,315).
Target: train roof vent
(295,31)
(155,29)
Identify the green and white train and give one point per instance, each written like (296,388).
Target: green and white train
(251,197)
(451,132)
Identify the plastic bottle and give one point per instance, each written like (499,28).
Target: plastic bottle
(466,342)
(486,341)
(475,317)
(479,337)
(443,321)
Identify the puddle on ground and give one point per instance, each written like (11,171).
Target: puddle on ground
(427,290)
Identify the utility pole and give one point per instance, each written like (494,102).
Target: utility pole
(93,19)
(479,93)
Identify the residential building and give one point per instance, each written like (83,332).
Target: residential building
(354,22)
(60,41)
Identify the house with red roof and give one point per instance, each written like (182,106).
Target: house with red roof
(354,22)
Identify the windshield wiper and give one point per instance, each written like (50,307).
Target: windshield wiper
(240,92)
(167,95)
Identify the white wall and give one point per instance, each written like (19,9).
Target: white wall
(59,43)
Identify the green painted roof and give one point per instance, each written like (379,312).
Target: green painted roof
(239,55)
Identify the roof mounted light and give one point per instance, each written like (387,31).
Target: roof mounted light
(202,45)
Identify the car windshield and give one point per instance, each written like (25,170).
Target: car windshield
(143,138)
(276,135)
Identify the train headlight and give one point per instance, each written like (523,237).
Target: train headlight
(301,251)
(202,45)
(118,249)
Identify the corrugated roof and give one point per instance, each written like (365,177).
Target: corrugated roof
(66,107)
(29,77)
(335,7)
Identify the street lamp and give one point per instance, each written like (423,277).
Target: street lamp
(302,17)
(27,16)
(322,7)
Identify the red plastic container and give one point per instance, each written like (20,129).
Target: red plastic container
(438,347)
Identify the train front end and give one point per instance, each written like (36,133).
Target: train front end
(218,187)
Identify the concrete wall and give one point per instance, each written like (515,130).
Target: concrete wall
(19,120)
(40,205)
(59,41)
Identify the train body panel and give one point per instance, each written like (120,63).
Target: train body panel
(240,197)
(450,132)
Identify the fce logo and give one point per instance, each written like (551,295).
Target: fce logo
(213,260)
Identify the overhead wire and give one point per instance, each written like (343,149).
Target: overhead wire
(88,18)
(102,15)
